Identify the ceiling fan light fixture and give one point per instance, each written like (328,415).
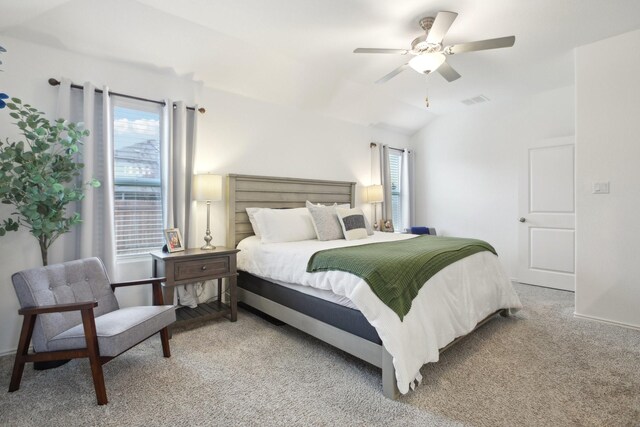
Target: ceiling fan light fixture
(427,62)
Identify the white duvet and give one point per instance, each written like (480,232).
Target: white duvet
(449,305)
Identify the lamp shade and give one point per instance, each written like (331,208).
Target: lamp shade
(427,62)
(375,194)
(207,187)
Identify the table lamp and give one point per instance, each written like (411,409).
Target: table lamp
(207,188)
(375,194)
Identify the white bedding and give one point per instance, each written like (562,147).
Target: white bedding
(449,305)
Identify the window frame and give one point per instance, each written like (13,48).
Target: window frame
(148,107)
(397,222)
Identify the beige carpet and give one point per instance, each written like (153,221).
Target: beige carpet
(542,367)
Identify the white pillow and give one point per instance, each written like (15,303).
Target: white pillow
(251,212)
(285,225)
(353,223)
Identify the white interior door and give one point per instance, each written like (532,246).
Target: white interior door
(547,214)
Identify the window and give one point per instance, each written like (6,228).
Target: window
(395,172)
(138,195)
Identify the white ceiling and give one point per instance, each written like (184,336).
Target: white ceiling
(299,52)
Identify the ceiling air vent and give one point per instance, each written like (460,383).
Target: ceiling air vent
(475,100)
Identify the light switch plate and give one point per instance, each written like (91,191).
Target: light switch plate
(600,188)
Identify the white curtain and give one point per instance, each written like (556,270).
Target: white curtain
(95,236)
(179,135)
(380,174)
(407,189)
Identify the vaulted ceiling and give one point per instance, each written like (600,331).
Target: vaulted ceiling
(299,52)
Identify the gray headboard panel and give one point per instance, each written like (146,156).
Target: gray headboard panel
(245,191)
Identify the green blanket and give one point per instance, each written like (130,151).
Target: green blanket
(396,271)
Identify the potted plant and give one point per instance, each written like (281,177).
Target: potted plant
(39,175)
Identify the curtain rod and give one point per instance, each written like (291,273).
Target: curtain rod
(54,82)
(375,144)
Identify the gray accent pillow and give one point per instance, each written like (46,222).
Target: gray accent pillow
(325,221)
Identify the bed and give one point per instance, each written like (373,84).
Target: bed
(349,324)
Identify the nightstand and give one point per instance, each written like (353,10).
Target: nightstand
(197,265)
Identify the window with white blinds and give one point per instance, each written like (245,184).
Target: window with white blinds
(137,195)
(395,164)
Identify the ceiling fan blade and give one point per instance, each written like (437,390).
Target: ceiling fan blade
(374,50)
(448,72)
(392,74)
(440,26)
(481,45)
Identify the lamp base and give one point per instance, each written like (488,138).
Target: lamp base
(207,236)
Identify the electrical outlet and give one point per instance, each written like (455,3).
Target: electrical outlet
(600,188)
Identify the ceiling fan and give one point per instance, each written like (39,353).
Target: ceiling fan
(430,55)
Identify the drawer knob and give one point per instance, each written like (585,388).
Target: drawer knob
(204,267)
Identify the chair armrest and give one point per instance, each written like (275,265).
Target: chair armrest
(58,308)
(158,298)
(138,282)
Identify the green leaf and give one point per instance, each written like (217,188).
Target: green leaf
(34,172)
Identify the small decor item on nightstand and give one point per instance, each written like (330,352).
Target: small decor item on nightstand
(174,239)
(386,225)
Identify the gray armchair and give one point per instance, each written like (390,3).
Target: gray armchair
(70,311)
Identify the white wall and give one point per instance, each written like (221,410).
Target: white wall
(608,125)
(467,167)
(251,137)
(236,135)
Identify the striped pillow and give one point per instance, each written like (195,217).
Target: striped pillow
(353,223)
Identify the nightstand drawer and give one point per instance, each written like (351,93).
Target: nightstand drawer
(201,268)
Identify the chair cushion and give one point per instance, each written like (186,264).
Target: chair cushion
(74,281)
(118,330)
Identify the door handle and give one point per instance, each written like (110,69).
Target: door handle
(522,219)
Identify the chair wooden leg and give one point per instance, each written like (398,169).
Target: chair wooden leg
(164,337)
(91,337)
(28,323)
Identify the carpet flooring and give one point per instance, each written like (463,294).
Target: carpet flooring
(541,367)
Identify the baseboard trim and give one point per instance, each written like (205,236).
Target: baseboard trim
(609,322)
(12,352)
(547,287)
(8,352)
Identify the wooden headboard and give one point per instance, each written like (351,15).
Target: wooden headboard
(247,191)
